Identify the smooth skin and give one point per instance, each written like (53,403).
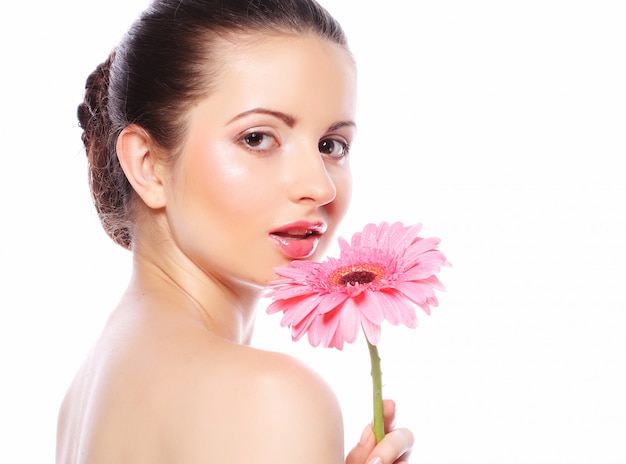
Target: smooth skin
(172,377)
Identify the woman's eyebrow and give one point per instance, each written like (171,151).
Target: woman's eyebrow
(286,118)
(340,124)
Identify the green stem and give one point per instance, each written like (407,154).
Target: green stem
(377,382)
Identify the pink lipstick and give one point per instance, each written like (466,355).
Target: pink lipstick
(298,239)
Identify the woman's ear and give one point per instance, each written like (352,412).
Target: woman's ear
(138,158)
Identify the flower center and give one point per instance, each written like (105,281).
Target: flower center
(357,277)
(361,274)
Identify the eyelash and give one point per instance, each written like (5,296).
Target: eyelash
(246,141)
(345,148)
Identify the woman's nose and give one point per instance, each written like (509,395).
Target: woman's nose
(309,179)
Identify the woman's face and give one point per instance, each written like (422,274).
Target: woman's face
(263,177)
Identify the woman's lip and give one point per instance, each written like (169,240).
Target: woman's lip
(294,247)
(298,239)
(301,228)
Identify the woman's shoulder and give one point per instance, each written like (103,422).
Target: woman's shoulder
(291,387)
(243,369)
(173,392)
(233,403)
(269,407)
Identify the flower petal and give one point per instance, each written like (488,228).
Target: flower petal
(372,331)
(330,301)
(369,307)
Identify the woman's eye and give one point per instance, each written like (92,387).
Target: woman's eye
(259,141)
(333,148)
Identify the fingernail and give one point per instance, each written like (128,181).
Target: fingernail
(367,431)
(376,460)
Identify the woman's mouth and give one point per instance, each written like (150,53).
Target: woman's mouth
(298,240)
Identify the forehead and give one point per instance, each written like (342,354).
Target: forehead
(290,68)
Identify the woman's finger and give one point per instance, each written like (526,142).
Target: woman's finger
(394,448)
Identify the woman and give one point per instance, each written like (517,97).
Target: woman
(217,135)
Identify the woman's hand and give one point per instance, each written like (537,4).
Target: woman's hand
(395,448)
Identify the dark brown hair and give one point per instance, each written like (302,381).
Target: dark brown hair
(163,65)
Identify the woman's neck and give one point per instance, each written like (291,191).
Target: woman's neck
(226,308)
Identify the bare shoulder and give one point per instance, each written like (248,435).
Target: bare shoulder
(169,393)
(303,408)
(261,406)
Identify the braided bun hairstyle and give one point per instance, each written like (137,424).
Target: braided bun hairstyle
(109,186)
(168,61)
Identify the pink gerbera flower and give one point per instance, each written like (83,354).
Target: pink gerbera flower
(381,275)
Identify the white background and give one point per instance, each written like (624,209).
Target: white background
(500,125)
